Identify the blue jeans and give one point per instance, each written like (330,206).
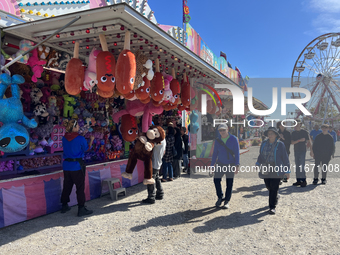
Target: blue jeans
(229,188)
(167,166)
(185,161)
(300,158)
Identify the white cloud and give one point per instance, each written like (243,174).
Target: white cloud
(330,6)
(326,23)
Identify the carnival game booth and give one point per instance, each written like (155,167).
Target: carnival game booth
(110,68)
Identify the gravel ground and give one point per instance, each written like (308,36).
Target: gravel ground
(186,221)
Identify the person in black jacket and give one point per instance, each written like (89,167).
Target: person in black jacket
(322,152)
(177,163)
(185,139)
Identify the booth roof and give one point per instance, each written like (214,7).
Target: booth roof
(112,18)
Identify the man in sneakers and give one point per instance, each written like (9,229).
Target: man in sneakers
(322,151)
(157,155)
(300,140)
(227,156)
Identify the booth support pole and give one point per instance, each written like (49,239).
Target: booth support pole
(0,45)
(37,45)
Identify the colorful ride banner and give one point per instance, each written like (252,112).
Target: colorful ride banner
(195,43)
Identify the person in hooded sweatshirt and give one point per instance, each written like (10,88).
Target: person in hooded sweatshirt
(74,147)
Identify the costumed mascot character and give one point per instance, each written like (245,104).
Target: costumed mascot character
(14,137)
(143,151)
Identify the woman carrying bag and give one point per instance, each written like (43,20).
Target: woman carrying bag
(274,165)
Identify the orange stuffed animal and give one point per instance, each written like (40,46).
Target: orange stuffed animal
(128,128)
(74,75)
(157,85)
(106,70)
(126,68)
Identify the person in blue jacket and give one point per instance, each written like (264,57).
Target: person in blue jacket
(226,155)
(274,163)
(73,166)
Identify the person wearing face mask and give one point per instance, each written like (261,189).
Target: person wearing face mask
(74,167)
(274,163)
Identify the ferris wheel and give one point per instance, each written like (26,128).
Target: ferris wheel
(318,70)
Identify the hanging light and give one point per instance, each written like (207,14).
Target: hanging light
(87,31)
(87,47)
(57,35)
(141,47)
(118,35)
(146,41)
(87,40)
(115,44)
(73,42)
(156,47)
(104,28)
(130,41)
(150,52)
(60,44)
(122,28)
(72,33)
(135,35)
(159,56)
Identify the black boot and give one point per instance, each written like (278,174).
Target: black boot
(82,211)
(65,208)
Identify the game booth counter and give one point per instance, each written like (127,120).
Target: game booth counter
(110,68)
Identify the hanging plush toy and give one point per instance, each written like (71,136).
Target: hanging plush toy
(143,151)
(63,60)
(194,99)
(128,128)
(46,94)
(143,69)
(14,137)
(157,85)
(36,94)
(43,52)
(36,65)
(68,105)
(176,92)
(185,91)
(193,126)
(24,46)
(53,59)
(26,97)
(137,108)
(90,73)
(74,75)
(143,92)
(126,68)
(106,70)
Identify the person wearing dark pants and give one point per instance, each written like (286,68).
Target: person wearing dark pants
(177,162)
(155,191)
(227,151)
(322,150)
(185,139)
(274,163)
(285,137)
(73,168)
(300,140)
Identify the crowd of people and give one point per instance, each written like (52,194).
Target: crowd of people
(169,155)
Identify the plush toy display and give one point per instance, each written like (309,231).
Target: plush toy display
(128,128)
(14,137)
(137,108)
(53,59)
(36,65)
(43,52)
(143,151)
(143,69)
(63,60)
(185,91)
(157,85)
(167,95)
(194,99)
(68,105)
(36,94)
(126,68)
(90,74)
(24,46)
(46,94)
(176,91)
(74,75)
(193,126)
(21,69)
(26,97)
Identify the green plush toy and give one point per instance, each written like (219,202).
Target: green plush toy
(68,105)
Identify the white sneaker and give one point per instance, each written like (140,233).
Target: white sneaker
(225,206)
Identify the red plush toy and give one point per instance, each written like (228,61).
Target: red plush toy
(157,85)
(74,75)
(106,70)
(126,68)
(128,128)
(46,94)
(176,92)
(185,91)
(143,92)
(26,97)
(143,151)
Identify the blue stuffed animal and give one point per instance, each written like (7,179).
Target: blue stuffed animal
(193,126)
(13,136)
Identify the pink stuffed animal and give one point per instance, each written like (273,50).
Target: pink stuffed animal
(46,94)
(36,65)
(137,108)
(167,96)
(90,73)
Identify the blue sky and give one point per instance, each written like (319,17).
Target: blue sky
(263,38)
